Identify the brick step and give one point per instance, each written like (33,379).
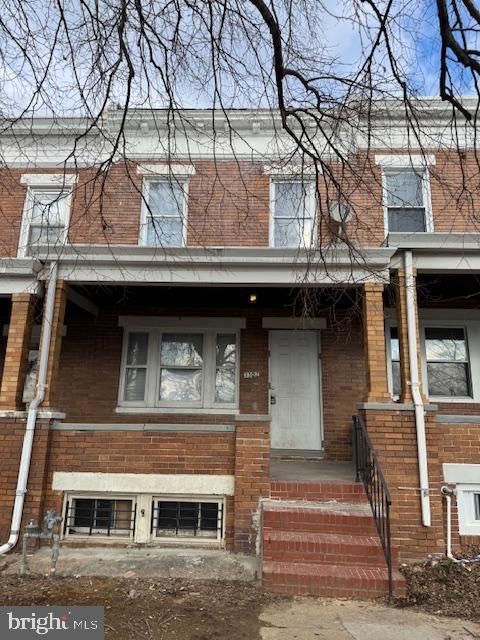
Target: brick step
(318,491)
(323,548)
(324,517)
(329,580)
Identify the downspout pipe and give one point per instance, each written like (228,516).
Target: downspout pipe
(25,459)
(415,386)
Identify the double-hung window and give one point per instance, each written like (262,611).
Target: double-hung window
(447,362)
(45,219)
(293,213)
(406,200)
(164,212)
(168,368)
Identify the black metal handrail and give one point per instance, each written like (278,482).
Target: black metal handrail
(368,472)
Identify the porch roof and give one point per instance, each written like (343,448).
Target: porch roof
(439,252)
(262,266)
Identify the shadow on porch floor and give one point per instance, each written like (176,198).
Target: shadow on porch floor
(312,471)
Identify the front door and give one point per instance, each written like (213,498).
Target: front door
(295,390)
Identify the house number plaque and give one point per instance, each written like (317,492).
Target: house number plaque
(251,374)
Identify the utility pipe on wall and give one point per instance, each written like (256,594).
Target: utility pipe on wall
(32,413)
(415,386)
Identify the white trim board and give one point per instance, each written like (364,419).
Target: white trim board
(404,161)
(49,179)
(181,322)
(294,323)
(461,473)
(151,483)
(173,170)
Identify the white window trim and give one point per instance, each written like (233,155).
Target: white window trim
(434,318)
(467,524)
(220,537)
(68,497)
(28,208)
(426,194)
(50,180)
(151,402)
(311,205)
(415,161)
(173,170)
(181,179)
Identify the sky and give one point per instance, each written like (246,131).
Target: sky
(331,37)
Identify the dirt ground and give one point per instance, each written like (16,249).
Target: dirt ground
(444,588)
(170,609)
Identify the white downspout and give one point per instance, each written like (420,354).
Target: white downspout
(415,386)
(32,413)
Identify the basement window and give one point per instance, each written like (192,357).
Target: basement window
(95,516)
(187,519)
(468,503)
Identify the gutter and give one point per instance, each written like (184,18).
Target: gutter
(25,459)
(415,386)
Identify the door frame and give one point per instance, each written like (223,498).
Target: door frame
(320,379)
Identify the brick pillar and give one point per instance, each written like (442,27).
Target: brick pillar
(401,300)
(252,481)
(16,355)
(374,342)
(55,344)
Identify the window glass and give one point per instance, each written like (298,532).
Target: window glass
(136,367)
(395,358)
(404,189)
(182,349)
(225,368)
(165,214)
(476,501)
(448,369)
(289,200)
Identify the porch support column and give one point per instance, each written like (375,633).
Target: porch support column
(16,355)
(55,344)
(402,328)
(374,343)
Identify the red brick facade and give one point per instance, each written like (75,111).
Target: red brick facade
(84,367)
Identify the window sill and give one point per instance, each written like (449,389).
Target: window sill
(230,411)
(447,399)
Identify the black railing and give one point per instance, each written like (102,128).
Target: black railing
(369,472)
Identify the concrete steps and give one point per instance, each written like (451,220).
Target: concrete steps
(329,547)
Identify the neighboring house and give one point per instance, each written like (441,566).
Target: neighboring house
(182,361)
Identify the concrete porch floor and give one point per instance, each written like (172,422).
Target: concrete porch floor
(312,470)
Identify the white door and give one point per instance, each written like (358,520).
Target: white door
(295,390)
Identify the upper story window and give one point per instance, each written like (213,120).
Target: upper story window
(293,213)
(46,212)
(407,200)
(164,204)
(165,213)
(169,368)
